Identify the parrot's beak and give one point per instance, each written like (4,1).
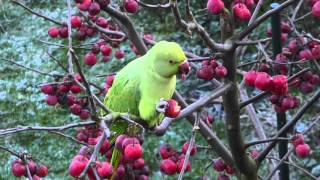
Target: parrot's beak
(184,69)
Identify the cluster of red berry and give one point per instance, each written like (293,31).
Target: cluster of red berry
(65,93)
(131,158)
(94,7)
(302,149)
(211,69)
(241,9)
(80,161)
(224,169)
(19,169)
(277,85)
(172,160)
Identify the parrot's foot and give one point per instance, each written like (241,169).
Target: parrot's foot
(161,106)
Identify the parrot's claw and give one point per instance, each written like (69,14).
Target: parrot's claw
(161,106)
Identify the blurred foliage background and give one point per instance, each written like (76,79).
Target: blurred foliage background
(22,103)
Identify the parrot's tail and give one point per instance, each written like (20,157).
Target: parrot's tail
(115,161)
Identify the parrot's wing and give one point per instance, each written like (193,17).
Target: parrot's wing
(123,96)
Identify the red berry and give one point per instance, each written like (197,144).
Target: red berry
(138,164)
(206,73)
(250,78)
(264,68)
(306,87)
(52,100)
(119,54)
(104,169)
(53,32)
(305,54)
(172,109)
(143,177)
(102,22)
(71,99)
(32,167)
(94,9)
(82,137)
(287,103)
(84,6)
(297,140)
(180,165)
(75,109)
(285,27)
(93,141)
(293,46)
(129,140)
(95,49)
(209,119)
(131,6)
(221,71)
(121,171)
(184,68)
(274,99)
(213,64)
(229,169)
(35,177)
(133,152)
(18,169)
(106,59)
(186,146)
(48,89)
(42,171)
(64,88)
(223,177)
(84,114)
(81,35)
(242,12)
(215,6)
(313,44)
(316,9)
(75,89)
(315,79)
(263,81)
(106,50)
(168,167)
(90,59)
(90,32)
(119,141)
(63,32)
(78,77)
(279,85)
(105,146)
(219,165)
(76,21)
(316,52)
(77,165)
(254,153)
(303,150)
(166,151)
(103,3)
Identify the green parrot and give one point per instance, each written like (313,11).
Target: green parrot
(139,86)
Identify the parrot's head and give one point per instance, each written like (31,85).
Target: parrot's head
(169,59)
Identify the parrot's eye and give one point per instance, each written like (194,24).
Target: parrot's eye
(171,61)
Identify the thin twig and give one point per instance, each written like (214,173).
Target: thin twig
(35,13)
(289,124)
(31,69)
(292,149)
(294,165)
(191,144)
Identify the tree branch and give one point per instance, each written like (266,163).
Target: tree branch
(289,125)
